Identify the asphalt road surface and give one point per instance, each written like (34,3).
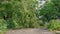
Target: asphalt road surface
(29,31)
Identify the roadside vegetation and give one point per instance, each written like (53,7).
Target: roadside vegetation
(17,14)
(50,13)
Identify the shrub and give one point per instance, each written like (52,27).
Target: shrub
(53,25)
(50,10)
(3,26)
(19,14)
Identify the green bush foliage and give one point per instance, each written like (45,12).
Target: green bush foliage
(53,25)
(48,11)
(3,26)
(18,14)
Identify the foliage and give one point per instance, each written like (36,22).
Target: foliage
(56,23)
(3,26)
(19,13)
(53,25)
(57,5)
(49,11)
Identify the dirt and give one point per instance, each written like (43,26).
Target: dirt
(29,31)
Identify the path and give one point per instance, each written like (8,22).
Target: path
(29,31)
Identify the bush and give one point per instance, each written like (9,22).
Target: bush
(53,25)
(50,10)
(3,26)
(19,14)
